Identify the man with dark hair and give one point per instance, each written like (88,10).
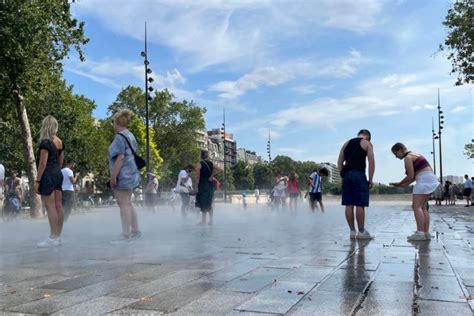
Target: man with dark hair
(69,180)
(467,190)
(355,187)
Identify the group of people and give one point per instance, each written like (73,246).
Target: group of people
(449,192)
(284,187)
(55,184)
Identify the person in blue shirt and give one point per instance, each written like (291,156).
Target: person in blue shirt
(315,187)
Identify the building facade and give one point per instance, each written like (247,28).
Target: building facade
(248,156)
(334,176)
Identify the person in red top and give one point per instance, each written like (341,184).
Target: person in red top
(293,190)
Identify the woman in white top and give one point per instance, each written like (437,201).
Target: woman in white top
(185,186)
(279,189)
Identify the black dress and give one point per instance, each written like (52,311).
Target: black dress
(52,178)
(205,194)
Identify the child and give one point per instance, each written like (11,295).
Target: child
(315,188)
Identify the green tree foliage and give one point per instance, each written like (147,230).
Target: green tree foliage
(229,179)
(243,176)
(469,150)
(460,40)
(262,175)
(174,124)
(35,36)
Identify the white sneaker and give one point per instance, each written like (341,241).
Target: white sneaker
(428,236)
(364,235)
(353,234)
(417,236)
(136,235)
(122,240)
(49,242)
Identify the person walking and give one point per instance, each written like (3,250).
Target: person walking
(293,191)
(355,187)
(279,189)
(315,188)
(151,191)
(2,185)
(184,186)
(14,194)
(205,192)
(49,179)
(467,190)
(69,180)
(256,193)
(418,169)
(124,175)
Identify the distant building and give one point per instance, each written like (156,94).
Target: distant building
(334,176)
(248,156)
(227,145)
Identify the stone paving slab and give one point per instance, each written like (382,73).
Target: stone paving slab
(161,284)
(96,306)
(433,308)
(25,296)
(347,280)
(443,288)
(278,298)
(231,272)
(255,280)
(310,274)
(169,301)
(326,303)
(48,305)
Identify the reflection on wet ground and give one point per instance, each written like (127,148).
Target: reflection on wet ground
(251,261)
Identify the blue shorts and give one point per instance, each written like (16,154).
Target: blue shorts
(355,189)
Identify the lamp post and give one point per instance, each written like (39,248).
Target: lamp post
(433,136)
(440,127)
(269,152)
(225,157)
(148,90)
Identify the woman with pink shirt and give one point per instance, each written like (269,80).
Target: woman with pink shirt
(293,190)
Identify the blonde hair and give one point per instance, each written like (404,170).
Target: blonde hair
(122,117)
(49,128)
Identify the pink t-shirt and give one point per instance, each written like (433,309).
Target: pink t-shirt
(293,186)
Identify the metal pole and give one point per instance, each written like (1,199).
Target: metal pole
(440,149)
(146,107)
(225,161)
(433,136)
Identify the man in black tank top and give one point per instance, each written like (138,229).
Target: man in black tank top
(355,187)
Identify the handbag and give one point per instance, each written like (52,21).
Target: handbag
(139,161)
(181,189)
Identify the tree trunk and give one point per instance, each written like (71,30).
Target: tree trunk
(35,200)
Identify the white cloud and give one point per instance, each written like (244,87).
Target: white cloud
(343,67)
(218,32)
(458,109)
(396,80)
(291,150)
(423,107)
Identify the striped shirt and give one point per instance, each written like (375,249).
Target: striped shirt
(316,179)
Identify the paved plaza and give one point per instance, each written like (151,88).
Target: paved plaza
(251,262)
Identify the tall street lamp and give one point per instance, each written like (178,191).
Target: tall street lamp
(225,157)
(433,136)
(440,127)
(148,90)
(269,152)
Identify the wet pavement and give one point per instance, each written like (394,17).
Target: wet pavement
(251,262)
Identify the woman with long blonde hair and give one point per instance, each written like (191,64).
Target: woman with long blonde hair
(49,179)
(124,175)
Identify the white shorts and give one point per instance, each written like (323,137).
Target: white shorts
(426,183)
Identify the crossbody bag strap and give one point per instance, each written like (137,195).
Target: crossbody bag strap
(128,142)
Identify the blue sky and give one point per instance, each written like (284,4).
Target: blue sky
(311,72)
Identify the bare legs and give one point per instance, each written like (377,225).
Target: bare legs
(128,214)
(204,216)
(360,217)
(53,205)
(422,217)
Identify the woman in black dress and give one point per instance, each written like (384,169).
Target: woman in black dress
(205,194)
(49,179)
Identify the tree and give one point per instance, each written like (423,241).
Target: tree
(469,150)
(460,40)
(174,124)
(35,37)
(243,176)
(262,175)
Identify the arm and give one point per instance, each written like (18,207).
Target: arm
(341,158)
(410,177)
(371,159)
(116,169)
(41,166)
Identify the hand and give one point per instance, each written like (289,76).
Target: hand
(395,184)
(370,185)
(36,187)
(78,174)
(113,182)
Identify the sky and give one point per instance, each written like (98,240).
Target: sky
(312,73)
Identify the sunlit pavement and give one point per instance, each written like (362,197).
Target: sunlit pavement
(251,261)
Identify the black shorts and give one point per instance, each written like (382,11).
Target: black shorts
(315,197)
(467,192)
